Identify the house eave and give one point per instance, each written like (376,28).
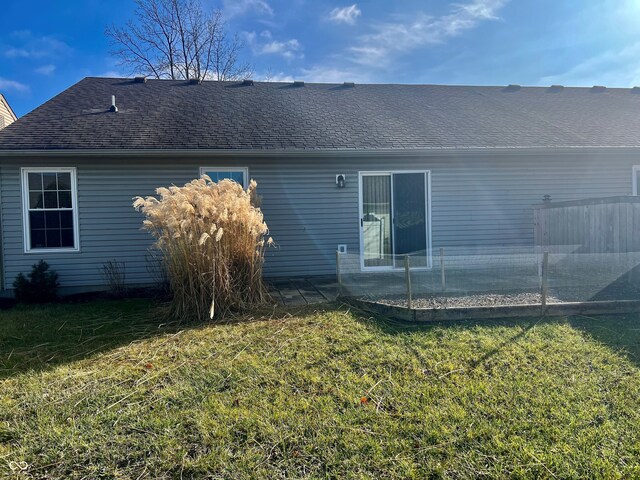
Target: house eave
(6,104)
(263,153)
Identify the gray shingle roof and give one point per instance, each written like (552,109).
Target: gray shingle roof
(166,114)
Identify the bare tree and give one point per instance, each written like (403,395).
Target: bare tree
(177,39)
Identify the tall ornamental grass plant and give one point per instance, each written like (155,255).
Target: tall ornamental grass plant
(212,239)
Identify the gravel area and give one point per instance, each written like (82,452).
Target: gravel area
(487,300)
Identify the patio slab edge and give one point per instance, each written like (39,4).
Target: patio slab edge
(498,311)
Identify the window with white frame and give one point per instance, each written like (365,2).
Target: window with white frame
(50,209)
(636,180)
(237,174)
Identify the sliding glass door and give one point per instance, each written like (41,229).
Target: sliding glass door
(394,219)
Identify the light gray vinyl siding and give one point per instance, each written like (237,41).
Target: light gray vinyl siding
(6,115)
(476,201)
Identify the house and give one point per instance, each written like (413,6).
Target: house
(6,113)
(372,170)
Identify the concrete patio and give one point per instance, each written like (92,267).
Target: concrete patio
(303,291)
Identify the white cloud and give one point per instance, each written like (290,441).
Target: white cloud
(347,15)
(613,68)
(27,45)
(288,48)
(328,74)
(46,69)
(265,44)
(234,8)
(12,85)
(371,57)
(113,74)
(484,10)
(392,38)
(276,77)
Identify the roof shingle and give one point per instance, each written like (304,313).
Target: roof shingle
(167,114)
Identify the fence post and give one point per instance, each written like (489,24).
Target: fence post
(545,268)
(407,276)
(442,276)
(338,273)
(538,257)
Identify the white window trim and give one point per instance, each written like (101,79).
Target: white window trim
(634,176)
(26,227)
(203,170)
(427,174)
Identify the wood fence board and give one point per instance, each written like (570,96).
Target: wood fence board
(591,226)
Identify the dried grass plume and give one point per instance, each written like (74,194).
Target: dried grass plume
(212,240)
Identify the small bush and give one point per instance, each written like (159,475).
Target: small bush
(211,236)
(39,286)
(114,274)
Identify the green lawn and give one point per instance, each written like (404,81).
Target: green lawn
(103,390)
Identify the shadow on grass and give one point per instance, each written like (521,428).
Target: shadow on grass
(391,326)
(621,333)
(38,338)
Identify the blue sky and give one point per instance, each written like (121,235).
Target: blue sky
(46,46)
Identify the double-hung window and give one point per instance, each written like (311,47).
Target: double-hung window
(49,197)
(237,174)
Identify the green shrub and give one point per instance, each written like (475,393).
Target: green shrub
(39,286)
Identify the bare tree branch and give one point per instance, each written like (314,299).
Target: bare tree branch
(177,39)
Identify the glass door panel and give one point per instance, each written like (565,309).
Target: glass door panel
(377,232)
(394,219)
(410,218)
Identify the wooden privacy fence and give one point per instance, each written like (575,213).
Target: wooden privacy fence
(594,225)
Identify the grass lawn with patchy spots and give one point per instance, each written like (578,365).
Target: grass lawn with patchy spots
(106,390)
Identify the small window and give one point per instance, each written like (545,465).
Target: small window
(636,179)
(50,215)
(240,174)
